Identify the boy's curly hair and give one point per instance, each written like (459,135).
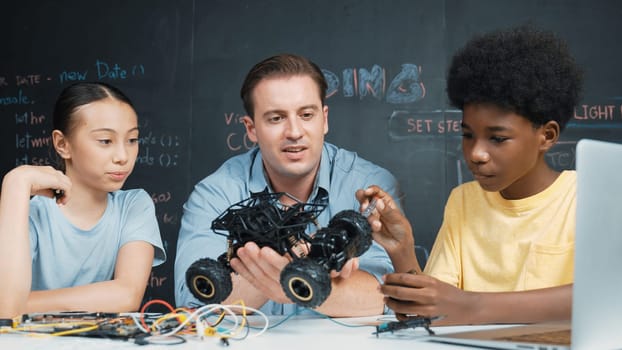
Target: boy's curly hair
(522,70)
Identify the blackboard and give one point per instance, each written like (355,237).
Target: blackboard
(182,62)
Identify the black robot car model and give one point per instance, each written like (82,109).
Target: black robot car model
(263,219)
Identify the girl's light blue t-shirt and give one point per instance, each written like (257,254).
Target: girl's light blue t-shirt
(66,256)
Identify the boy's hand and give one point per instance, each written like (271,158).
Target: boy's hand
(390,228)
(422,295)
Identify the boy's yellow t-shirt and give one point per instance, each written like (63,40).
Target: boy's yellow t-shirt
(488,243)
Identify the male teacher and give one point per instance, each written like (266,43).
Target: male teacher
(284,98)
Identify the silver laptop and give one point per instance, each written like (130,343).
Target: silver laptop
(597,289)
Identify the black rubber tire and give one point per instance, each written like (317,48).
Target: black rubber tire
(209,281)
(306,283)
(356,226)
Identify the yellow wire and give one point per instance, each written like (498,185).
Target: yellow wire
(31,327)
(242,324)
(74,331)
(166,317)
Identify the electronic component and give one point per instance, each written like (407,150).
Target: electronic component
(411,322)
(370,208)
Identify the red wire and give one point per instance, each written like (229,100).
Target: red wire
(151,302)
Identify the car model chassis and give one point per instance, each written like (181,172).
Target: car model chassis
(263,219)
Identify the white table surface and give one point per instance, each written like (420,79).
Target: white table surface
(295,333)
